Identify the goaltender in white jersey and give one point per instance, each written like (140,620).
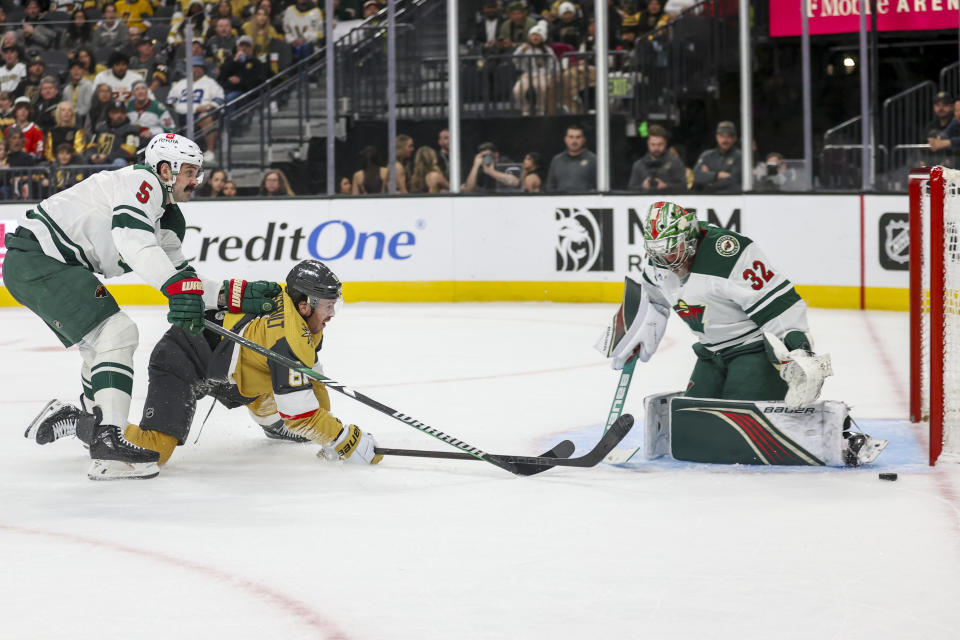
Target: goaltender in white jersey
(109,224)
(752,345)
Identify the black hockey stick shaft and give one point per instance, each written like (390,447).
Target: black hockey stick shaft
(563,450)
(529,465)
(294,365)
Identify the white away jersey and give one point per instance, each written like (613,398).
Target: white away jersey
(205,91)
(114,222)
(307,25)
(732,295)
(122,88)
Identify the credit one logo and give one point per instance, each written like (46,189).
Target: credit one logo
(328,241)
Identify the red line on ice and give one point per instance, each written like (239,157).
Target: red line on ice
(261,592)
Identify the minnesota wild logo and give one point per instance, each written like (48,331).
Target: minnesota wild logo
(691,314)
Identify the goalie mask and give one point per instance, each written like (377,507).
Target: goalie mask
(311,281)
(670,235)
(176,150)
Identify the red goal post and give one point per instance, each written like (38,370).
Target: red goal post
(935,307)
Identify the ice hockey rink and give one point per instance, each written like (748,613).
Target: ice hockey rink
(244,537)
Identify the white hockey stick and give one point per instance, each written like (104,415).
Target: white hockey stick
(619,456)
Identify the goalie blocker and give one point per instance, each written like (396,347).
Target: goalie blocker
(757,433)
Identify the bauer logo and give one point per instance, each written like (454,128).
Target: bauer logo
(584,239)
(895,241)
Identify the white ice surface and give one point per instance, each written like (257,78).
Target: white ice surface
(243,537)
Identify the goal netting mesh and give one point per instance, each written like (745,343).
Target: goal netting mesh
(939,210)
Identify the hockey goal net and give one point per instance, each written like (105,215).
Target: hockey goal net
(935,308)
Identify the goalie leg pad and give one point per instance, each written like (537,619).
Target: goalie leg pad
(760,433)
(656,424)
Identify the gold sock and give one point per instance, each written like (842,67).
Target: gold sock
(162,443)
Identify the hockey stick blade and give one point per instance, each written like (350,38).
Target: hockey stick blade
(621,456)
(615,433)
(564,449)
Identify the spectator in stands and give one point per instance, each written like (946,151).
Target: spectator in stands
(491,172)
(47,103)
(573,170)
(134,37)
(78,90)
(16,156)
(102,98)
(275,185)
(405,149)
(530,178)
(223,9)
(942,130)
(195,14)
(79,33)
(85,56)
(371,177)
(117,77)
(23,122)
(514,31)
(629,14)
(13,71)
(370,9)
(345,10)
(427,176)
(653,17)
(660,170)
(262,32)
(212,186)
(774,174)
(134,13)
(109,32)
(719,170)
(30,84)
(243,72)
(32,32)
(345,186)
(64,131)
(6,110)
(115,140)
(274,13)
(487,31)
(229,189)
(207,96)
(540,69)
(302,27)
(65,172)
(152,68)
(147,114)
(569,28)
(443,152)
(222,45)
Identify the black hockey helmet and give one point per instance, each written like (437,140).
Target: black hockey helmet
(312,281)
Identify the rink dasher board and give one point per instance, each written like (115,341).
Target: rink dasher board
(843,251)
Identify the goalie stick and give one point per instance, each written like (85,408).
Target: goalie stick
(619,456)
(518,465)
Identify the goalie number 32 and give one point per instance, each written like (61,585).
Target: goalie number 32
(757,281)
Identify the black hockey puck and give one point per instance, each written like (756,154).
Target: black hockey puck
(888,476)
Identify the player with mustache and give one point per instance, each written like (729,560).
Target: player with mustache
(112,223)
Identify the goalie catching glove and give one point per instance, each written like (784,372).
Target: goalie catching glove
(803,371)
(184,291)
(636,328)
(257,296)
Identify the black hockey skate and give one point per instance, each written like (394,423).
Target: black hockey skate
(113,456)
(56,420)
(277,431)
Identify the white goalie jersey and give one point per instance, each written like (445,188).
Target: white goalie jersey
(732,294)
(115,222)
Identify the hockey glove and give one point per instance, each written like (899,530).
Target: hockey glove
(257,296)
(184,291)
(636,328)
(354,446)
(801,370)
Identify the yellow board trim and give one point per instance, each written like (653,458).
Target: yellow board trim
(829,297)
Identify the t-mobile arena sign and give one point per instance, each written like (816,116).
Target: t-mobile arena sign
(843,16)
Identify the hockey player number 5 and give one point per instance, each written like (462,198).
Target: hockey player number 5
(755,280)
(144,194)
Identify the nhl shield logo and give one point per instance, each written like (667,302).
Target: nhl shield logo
(894,241)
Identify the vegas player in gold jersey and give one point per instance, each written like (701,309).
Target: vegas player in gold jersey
(286,404)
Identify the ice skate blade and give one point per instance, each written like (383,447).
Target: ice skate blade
(119,470)
(31,432)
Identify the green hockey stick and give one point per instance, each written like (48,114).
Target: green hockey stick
(619,456)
